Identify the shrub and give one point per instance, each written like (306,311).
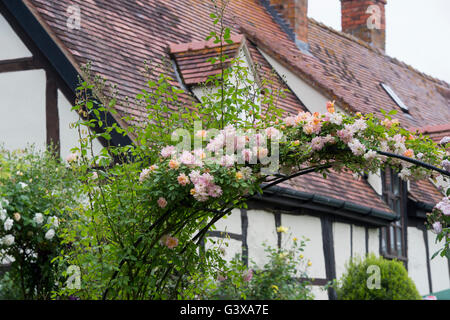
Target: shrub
(360,281)
(279,279)
(35,191)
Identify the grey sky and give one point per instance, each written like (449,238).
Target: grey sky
(418,32)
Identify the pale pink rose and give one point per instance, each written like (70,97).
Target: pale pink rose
(261,152)
(215,191)
(171,242)
(273,133)
(317,143)
(248,275)
(183,179)
(444,206)
(201,134)
(444,140)
(437,227)
(168,151)
(289,121)
(187,158)
(72,157)
(144,174)
(174,164)
(221,277)
(357,147)
(246,155)
(162,203)
(227,160)
(446,165)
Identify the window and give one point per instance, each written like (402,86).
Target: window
(394,97)
(393,237)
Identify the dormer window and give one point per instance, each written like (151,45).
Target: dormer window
(395,97)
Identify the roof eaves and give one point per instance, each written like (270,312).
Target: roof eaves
(335,205)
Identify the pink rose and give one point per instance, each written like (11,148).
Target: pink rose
(162,203)
(248,276)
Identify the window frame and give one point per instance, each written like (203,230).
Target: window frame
(390,198)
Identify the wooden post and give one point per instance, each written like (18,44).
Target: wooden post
(51,113)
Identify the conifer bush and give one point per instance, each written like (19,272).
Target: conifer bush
(359,282)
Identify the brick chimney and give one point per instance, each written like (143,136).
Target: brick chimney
(366,20)
(295,12)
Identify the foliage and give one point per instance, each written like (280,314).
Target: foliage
(394,283)
(36,192)
(143,209)
(150,204)
(439,219)
(283,277)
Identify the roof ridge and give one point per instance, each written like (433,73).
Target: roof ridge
(434,128)
(380,52)
(203,44)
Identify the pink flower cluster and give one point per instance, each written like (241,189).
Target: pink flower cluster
(357,147)
(318,143)
(444,206)
(168,241)
(227,138)
(204,186)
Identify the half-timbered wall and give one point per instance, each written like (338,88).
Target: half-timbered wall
(246,230)
(32,108)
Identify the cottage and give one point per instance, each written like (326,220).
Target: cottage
(45,43)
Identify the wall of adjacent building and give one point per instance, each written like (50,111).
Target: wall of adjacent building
(22,102)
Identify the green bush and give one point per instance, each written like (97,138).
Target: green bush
(36,190)
(361,281)
(279,279)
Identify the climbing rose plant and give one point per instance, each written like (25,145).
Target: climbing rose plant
(150,205)
(439,219)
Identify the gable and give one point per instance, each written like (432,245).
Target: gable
(12,46)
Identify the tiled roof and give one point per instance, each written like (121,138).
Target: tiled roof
(436,132)
(117,36)
(341,186)
(424,191)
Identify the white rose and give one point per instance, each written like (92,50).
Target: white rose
(38,218)
(53,221)
(8,240)
(3,215)
(23,185)
(8,224)
(50,234)
(17,216)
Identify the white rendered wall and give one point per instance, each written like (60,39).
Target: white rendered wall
(359,241)
(309,227)
(230,223)
(10,44)
(229,247)
(342,246)
(439,265)
(417,261)
(22,109)
(374,241)
(314,100)
(261,229)
(374,179)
